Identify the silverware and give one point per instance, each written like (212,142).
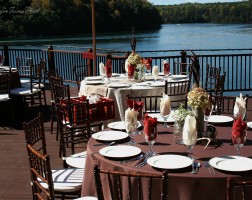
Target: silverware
(195,167)
(142,163)
(101,144)
(209,167)
(133,159)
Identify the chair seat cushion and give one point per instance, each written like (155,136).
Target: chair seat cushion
(4,97)
(77,160)
(66,180)
(23,91)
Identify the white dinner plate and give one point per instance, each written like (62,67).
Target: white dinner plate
(157,84)
(178,76)
(120,151)
(94,82)
(170,119)
(110,135)
(169,161)
(118,85)
(161,73)
(119,125)
(249,124)
(93,78)
(219,119)
(231,163)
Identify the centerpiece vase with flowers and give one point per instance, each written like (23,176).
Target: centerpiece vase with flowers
(179,116)
(134,64)
(198,101)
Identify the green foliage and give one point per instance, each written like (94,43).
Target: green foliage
(64,17)
(238,12)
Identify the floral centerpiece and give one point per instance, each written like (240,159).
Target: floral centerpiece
(180,114)
(198,101)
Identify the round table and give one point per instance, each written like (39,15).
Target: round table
(183,185)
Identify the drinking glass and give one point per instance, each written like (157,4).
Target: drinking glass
(150,138)
(207,113)
(130,129)
(166,69)
(190,143)
(239,142)
(165,117)
(148,69)
(131,73)
(108,73)
(102,74)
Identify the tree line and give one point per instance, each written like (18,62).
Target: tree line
(235,12)
(65,17)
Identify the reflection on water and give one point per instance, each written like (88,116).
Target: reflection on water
(169,37)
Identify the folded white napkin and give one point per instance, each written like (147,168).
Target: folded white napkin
(189,130)
(240,107)
(130,119)
(165,105)
(155,70)
(102,69)
(126,65)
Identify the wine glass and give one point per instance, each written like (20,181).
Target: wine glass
(148,68)
(150,138)
(207,113)
(166,69)
(108,72)
(130,127)
(131,73)
(155,72)
(239,142)
(190,139)
(102,72)
(165,112)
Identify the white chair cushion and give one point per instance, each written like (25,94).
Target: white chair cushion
(87,198)
(37,85)
(4,97)
(66,180)
(25,82)
(77,160)
(23,91)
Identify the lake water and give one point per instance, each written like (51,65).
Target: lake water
(169,37)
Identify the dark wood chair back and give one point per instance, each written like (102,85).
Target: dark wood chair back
(61,92)
(243,185)
(212,77)
(40,170)
(80,72)
(151,103)
(123,185)
(177,91)
(225,104)
(35,133)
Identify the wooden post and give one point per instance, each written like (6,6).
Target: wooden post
(94,37)
(90,63)
(6,56)
(51,63)
(183,62)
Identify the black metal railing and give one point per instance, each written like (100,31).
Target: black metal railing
(237,63)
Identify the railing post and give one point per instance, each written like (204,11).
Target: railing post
(90,64)
(6,55)
(183,61)
(51,63)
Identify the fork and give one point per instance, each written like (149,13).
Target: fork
(133,159)
(142,163)
(209,167)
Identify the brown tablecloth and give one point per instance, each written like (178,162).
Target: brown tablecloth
(183,185)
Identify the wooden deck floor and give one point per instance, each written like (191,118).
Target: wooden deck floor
(14,168)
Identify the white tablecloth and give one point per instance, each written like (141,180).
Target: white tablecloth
(119,95)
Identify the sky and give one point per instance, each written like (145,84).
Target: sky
(172,2)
